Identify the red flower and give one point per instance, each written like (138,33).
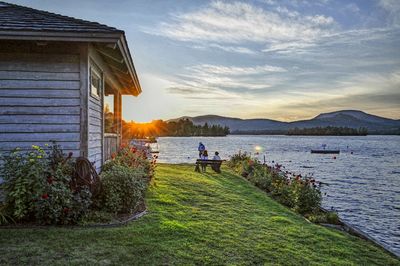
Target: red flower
(50,180)
(45,196)
(123,146)
(66,209)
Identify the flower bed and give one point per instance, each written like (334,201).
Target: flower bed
(38,188)
(299,193)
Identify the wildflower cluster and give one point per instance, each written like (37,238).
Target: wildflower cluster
(132,157)
(301,193)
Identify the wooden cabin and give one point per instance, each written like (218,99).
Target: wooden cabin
(62,79)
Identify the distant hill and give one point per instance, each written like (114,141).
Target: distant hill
(344,118)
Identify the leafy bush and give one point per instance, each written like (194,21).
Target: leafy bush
(296,192)
(37,187)
(24,177)
(282,191)
(123,188)
(241,163)
(60,205)
(308,199)
(132,158)
(260,177)
(332,217)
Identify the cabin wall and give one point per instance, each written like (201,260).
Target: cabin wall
(96,126)
(96,144)
(40,88)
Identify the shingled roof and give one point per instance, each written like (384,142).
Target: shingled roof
(24,23)
(14,17)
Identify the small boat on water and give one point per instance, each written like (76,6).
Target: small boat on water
(326,151)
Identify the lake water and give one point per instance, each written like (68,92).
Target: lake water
(363,182)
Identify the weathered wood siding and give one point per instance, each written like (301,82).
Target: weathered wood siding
(95,130)
(39,98)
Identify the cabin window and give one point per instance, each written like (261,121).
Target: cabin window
(109,115)
(95,83)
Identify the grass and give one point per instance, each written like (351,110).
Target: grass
(196,218)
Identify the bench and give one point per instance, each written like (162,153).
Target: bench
(215,164)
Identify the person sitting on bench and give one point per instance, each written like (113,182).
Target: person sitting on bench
(216,156)
(216,167)
(204,156)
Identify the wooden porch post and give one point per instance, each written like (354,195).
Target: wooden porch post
(118,116)
(84,100)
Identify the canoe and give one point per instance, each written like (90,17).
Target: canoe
(326,151)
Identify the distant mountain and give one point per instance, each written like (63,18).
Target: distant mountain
(344,118)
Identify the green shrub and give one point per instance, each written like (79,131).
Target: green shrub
(260,177)
(60,205)
(123,188)
(332,217)
(237,159)
(37,187)
(24,177)
(307,198)
(284,195)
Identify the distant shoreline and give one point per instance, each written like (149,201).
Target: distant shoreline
(286,135)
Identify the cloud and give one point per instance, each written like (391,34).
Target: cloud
(234,70)
(296,3)
(217,84)
(231,49)
(393,8)
(359,39)
(289,47)
(231,78)
(237,22)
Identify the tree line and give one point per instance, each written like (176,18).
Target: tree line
(180,128)
(328,131)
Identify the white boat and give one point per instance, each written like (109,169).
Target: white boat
(150,146)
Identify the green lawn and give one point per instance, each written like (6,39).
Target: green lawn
(196,219)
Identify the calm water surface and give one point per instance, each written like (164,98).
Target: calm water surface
(364,187)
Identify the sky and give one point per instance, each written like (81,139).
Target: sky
(278,59)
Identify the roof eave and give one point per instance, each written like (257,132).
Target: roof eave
(123,46)
(60,36)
